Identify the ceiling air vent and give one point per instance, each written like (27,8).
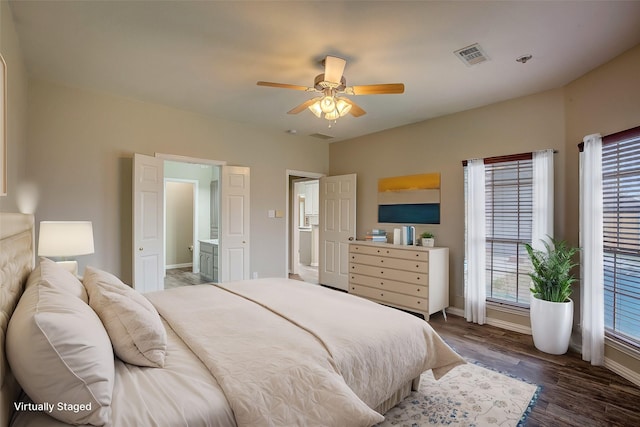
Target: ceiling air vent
(321,136)
(471,55)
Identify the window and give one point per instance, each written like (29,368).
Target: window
(621,234)
(509,213)
(509,207)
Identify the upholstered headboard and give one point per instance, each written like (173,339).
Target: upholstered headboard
(17,259)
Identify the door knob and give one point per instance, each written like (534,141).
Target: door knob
(140,249)
(351,239)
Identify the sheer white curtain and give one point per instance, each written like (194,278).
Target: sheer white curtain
(542,220)
(592,295)
(475,289)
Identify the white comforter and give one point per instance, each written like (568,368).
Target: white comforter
(287,353)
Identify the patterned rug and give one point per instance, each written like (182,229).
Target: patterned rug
(469,395)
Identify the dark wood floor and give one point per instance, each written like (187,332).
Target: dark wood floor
(574,393)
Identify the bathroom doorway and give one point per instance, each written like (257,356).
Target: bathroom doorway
(303,220)
(191,222)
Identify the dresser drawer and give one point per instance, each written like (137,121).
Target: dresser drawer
(389,285)
(392,298)
(417,254)
(389,252)
(400,264)
(419,278)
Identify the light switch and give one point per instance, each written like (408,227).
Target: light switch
(272,213)
(279,214)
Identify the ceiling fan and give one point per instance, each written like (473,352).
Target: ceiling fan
(329,85)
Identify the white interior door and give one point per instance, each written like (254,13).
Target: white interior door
(337,228)
(148,228)
(234,225)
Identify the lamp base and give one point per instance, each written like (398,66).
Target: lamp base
(70,266)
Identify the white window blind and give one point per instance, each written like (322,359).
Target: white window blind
(509,212)
(621,229)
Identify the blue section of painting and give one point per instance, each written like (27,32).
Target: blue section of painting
(419,213)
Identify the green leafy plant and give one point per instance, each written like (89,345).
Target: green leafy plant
(552,267)
(427,235)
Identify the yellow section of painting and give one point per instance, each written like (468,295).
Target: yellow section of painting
(410,182)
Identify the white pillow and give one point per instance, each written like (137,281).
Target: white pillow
(51,274)
(60,354)
(132,322)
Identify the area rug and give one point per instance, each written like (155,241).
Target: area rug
(469,395)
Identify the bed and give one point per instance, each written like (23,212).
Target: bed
(267,352)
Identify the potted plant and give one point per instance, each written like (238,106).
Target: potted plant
(551,309)
(428,239)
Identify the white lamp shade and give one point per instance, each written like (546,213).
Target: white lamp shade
(315,109)
(342,107)
(65,238)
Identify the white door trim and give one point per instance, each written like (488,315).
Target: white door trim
(186,159)
(289,221)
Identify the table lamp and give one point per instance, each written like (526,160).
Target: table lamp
(63,239)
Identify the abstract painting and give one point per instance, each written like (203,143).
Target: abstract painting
(410,199)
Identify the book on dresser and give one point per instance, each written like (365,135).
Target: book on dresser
(412,278)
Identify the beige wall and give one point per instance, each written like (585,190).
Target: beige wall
(80,152)
(16,110)
(439,145)
(179,219)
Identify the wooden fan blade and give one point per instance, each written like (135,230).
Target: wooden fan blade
(333,69)
(284,86)
(302,106)
(355,111)
(380,89)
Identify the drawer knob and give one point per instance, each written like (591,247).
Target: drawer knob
(418,289)
(381,261)
(381,295)
(418,302)
(417,265)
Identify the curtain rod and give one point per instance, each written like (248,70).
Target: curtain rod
(615,137)
(507,158)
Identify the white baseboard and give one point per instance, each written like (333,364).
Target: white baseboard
(185,265)
(623,371)
(495,322)
(509,326)
(455,311)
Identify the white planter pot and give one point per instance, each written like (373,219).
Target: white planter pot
(429,242)
(551,324)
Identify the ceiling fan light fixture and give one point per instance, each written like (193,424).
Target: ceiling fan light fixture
(316,109)
(342,107)
(332,115)
(328,104)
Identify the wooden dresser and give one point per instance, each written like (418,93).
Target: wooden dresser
(413,278)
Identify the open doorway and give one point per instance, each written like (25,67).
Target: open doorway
(180,223)
(191,223)
(231,222)
(303,221)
